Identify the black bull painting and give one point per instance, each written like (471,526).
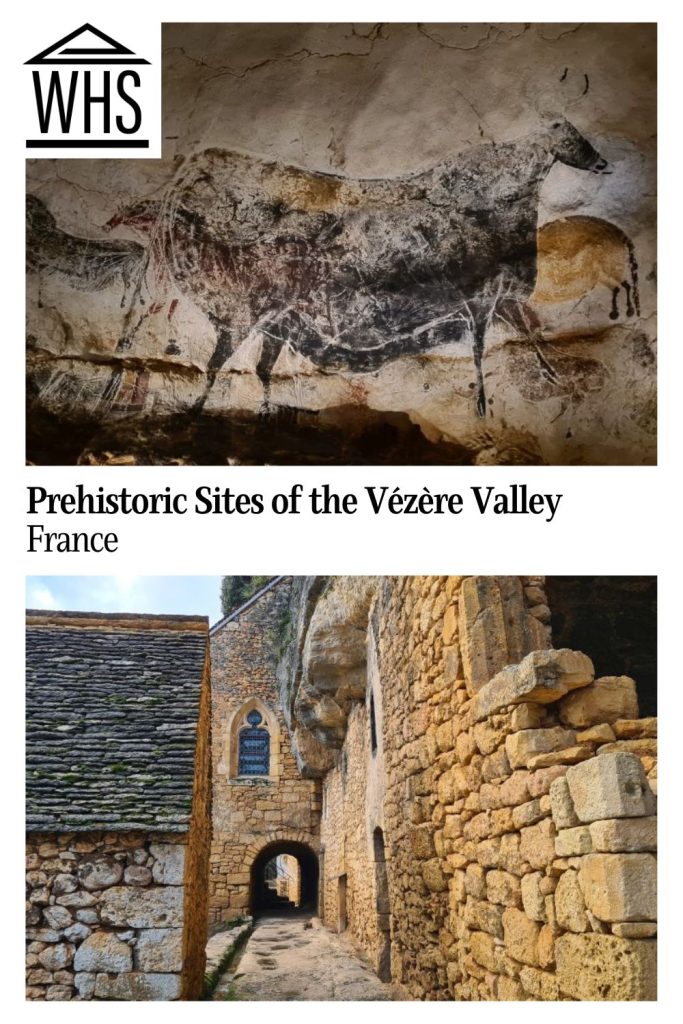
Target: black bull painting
(351,273)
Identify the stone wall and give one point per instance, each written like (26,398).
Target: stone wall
(108,917)
(249,814)
(506,306)
(519,816)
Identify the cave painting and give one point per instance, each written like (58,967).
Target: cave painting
(351,273)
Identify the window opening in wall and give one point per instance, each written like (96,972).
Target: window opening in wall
(373,725)
(254,747)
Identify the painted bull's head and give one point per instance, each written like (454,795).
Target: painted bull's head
(568,146)
(143,216)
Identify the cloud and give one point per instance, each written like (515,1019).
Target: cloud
(40,596)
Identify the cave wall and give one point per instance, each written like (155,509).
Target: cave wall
(485,295)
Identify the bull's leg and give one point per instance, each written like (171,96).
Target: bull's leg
(614,311)
(270,350)
(479,335)
(172,348)
(629,305)
(522,317)
(224,348)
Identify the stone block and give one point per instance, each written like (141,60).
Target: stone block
(610,786)
(570,906)
(494,627)
(99,872)
(528,813)
(485,951)
(539,782)
(527,716)
(532,897)
(561,804)
(103,951)
(61,993)
(515,790)
(484,916)
(169,863)
(540,985)
(638,728)
(521,936)
(546,946)
(642,748)
(433,876)
(85,984)
(573,842)
(635,929)
(138,986)
(596,734)
(537,844)
(159,950)
(58,917)
(511,858)
(503,888)
(606,700)
(606,967)
(475,881)
(541,677)
(624,835)
(143,908)
(520,747)
(620,886)
(136,874)
(568,755)
(57,956)
(77,932)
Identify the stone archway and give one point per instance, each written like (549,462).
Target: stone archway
(260,896)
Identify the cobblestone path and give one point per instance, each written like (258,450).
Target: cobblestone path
(292,957)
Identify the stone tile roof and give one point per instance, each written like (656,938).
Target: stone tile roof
(112,708)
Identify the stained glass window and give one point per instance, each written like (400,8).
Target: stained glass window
(254,747)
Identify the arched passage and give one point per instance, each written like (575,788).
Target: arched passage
(264,895)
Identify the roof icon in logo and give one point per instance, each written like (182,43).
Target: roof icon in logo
(88,48)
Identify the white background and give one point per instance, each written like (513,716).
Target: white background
(610,521)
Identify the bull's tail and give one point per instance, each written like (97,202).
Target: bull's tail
(633,267)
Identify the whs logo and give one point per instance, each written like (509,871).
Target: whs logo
(92,93)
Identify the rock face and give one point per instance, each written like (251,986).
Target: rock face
(289,283)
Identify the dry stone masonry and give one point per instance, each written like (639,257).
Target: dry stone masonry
(489,827)
(118,806)
(396,243)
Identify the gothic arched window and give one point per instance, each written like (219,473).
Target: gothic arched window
(254,746)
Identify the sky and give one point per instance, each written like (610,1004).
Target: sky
(168,595)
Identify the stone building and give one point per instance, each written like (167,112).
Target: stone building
(488,825)
(264,808)
(118,805)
